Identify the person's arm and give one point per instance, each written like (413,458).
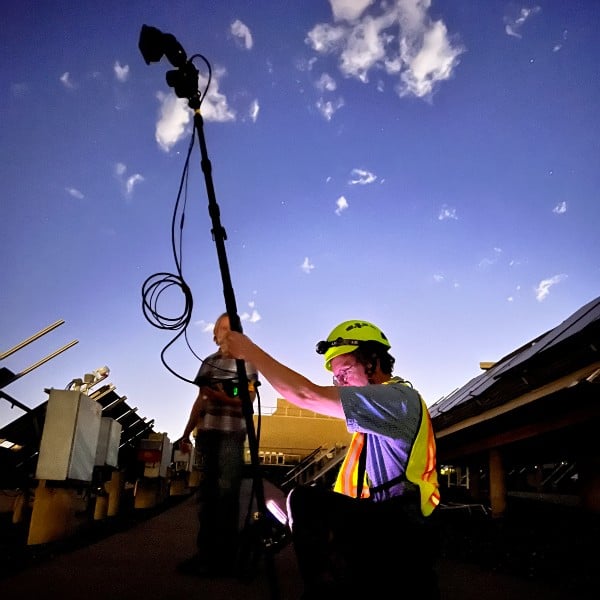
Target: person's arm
(291,385)
(198,410)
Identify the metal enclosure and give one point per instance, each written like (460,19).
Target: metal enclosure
(109,438)
(70,437)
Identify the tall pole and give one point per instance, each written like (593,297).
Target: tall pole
(219,236)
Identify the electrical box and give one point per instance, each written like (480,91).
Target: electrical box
(183,460)
(155,451)
(109,439)
(70,437)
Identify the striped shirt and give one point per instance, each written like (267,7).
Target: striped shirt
(221,373)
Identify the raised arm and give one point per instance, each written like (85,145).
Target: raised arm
(292,386)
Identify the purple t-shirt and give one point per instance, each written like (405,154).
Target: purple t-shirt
(390,414)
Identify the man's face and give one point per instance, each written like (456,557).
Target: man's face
(348,371)
(221,327)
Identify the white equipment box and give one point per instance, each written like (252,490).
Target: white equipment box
(70,437)
(156,451)
(109,438)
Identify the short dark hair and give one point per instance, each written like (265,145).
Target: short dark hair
(370,353)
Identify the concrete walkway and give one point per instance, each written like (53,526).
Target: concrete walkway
(140,563)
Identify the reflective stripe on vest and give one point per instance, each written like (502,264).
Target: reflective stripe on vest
(421,467)
(347,477)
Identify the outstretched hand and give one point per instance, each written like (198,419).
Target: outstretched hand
(234,344)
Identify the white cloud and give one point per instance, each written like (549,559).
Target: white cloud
(121,72)
(447,212)
(75,193)
(362,177)
(214,104)
(365,46)
(326,83)
(241,32)
(430,58)
(511,298)
(440,278)
(543,287)
(254,110)
(348,10)
(513,24)
(329,107)
(401,41)
(206,327)
(342,205)
(129,182)
(559,46)
(490,260)
(325,38)
(175,116)
(252,317)
(307,266)
(560,208)
(65,79)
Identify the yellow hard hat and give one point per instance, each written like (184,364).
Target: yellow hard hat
(346,338)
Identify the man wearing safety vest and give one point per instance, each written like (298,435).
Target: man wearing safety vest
(380,540)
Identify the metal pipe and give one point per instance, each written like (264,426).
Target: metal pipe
(113,403)
(128,412)
(34,337)
(47,358)
(14,402)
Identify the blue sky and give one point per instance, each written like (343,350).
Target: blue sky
(432,167)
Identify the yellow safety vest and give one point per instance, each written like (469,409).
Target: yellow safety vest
(420,470)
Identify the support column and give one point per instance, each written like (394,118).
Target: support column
(178,486)
(150,492)
(101,507)
(497,483)
(114,488)
(53,515)
(19,510)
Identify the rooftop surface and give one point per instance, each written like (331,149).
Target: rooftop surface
(139,560)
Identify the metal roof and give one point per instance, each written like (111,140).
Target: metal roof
(572,345)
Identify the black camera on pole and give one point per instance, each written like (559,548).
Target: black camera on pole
(154,44)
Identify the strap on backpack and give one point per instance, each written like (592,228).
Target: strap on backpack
(362,464)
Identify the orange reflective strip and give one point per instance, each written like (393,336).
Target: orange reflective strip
(347,478)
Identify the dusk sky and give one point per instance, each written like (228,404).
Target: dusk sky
(430,166)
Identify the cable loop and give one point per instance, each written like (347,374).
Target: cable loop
(153,288)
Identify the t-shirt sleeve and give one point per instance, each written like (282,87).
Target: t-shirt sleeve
(389,410)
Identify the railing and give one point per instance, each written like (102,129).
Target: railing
(315,466)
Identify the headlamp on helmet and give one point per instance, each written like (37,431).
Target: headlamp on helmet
(323,345)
